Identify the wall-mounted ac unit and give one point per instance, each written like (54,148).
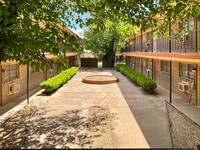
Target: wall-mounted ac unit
(184,39)
(14,88)
(51,72)
(183,86)
(133,66)
(148,72)
(147,45)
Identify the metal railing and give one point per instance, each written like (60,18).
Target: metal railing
(186,44)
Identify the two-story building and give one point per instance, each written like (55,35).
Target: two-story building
(16,79)
(173,63)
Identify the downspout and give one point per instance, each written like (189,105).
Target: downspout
(57,66)
(141,52)
(170,64)
(134,43)
(27,83)
(152,64)
(196,64)
(1,87)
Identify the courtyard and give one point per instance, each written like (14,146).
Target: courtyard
(80,115)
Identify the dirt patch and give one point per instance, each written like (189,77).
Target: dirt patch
(99,128)
(30,128)
(185,133)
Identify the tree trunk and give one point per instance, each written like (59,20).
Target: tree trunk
(109,58)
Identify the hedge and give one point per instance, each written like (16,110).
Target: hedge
(145,82)
(55,82)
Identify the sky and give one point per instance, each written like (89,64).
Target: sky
(78,30)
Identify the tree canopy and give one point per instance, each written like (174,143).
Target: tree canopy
(108,40)
(23,39)
(31,28)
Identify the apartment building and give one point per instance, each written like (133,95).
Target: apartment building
(173,63)
(15,78)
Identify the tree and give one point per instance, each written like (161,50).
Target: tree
(109,40)
(154,14)
(31,28)
(23,39)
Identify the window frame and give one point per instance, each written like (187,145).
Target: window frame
(188,71)
(166,66)
(10,71)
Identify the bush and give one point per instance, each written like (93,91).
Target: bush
(55,82)
(145,82)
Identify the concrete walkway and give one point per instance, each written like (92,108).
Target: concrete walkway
(133,117)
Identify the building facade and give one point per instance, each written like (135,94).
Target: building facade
(173,63)
(16,79)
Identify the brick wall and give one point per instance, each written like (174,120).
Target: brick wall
(6,97)
(163,79)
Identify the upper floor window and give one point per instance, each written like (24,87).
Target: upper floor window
(164,66)
(11,72)
(186,71)
(149,36)
(187,25)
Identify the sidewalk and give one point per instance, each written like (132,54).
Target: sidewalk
(191,111)
(119,115)
(13,107)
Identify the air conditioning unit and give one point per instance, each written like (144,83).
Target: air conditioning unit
(184,40)
(147,45)
(148,72)
(183,86)
(14,88)
(51,72)
(133,66)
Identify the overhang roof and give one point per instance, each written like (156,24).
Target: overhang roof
(69,54)
(180,57)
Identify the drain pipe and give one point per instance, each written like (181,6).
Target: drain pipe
(141,52)
(1,88)
(27,81)
(170,63)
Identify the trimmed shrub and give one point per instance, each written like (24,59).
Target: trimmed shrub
(145,82)
(55,82)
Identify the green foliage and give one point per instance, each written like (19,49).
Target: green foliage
(145,82)
(145,14)
(55,82)
(31,28)
(22,38)
(109,40)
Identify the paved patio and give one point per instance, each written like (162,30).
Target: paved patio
(80,115)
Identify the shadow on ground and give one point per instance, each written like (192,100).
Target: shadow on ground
(30,128)
(149,110)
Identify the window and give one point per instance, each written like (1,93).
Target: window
(164,66)
(33,69)
(149,36)
(186,71)
(11,71)
(139,39)
(187,25)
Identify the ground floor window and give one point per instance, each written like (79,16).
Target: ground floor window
(11,72)
(186,71)
(164,66)
(34,69)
